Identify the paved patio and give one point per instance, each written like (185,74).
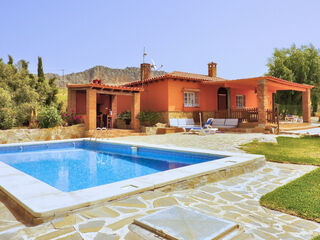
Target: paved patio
(235,199)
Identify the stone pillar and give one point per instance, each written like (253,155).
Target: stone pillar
(114,109)
(262,92)
(72,99)
(135,110)
(91,109)
(306,106)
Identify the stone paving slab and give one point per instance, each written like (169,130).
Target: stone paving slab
(235,199)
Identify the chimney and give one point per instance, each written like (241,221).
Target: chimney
(145,71)
(212,69)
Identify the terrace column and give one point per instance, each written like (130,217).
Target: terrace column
(135,110)
(306,106)
(72,99)
(114,109)
(91,109)
(262,92)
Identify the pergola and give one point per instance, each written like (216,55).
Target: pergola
(89,102)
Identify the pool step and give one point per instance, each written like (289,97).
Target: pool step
(181,223)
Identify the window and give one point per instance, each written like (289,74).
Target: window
(240,101)
(191,99)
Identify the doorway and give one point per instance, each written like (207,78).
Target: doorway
(222,99)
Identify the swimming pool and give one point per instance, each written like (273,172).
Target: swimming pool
(46,180)
(73,166)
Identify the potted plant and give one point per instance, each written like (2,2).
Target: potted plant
(125,116)
(148,118)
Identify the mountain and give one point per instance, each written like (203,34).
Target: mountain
(110,76)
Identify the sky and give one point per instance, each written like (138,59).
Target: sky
(181,35)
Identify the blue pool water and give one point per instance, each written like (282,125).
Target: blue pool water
(71,166)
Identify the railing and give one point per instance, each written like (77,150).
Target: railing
(247,115)
(244,115)
(273,116)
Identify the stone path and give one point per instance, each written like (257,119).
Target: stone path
(235,199)
(311,131)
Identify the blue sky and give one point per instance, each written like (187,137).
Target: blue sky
(75,35)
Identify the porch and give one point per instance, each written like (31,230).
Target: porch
(99,104)
(253,100)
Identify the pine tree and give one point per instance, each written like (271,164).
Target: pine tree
(41,77)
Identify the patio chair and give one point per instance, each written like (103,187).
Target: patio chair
(205,129)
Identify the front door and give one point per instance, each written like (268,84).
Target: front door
(222,99)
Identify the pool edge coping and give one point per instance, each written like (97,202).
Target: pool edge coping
(55,202)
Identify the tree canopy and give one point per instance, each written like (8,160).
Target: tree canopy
(22,92)
(301,65)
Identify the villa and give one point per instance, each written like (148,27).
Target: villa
(181,94)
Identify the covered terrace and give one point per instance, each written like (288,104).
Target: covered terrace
(99,104)
(259,95)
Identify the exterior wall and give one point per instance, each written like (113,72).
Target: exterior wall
(155,96)
(44,134)
(124,103)
(81,102)
(207,97)
(250,97)
(175,95)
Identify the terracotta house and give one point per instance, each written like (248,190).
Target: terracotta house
(184,95)
(179,94)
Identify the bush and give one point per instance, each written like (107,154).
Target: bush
(148,118)
(5,98)
(23,113)
(125,116)
(71,118)
(49,117)
(7,118)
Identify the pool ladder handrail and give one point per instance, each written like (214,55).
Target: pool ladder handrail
(97,133)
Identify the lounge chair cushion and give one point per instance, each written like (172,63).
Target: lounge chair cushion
(231,122)
(189,121)
(218,122)
(173,122)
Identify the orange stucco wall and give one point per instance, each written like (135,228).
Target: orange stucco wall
(104,101)
(80,102)
(251,97)
(124,103)
(155,96)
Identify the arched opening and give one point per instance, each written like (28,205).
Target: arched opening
(222,99)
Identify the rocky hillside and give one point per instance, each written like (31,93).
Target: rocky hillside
(109,76)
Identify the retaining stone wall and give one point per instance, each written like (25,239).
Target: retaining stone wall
(45,134)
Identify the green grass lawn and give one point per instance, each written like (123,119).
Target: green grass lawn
(303,150)
(300,197)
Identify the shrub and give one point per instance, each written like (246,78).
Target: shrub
(23,113)
(126,116)
(49,117)
(5,98)
(148,118)
(71,118)
(7,118)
